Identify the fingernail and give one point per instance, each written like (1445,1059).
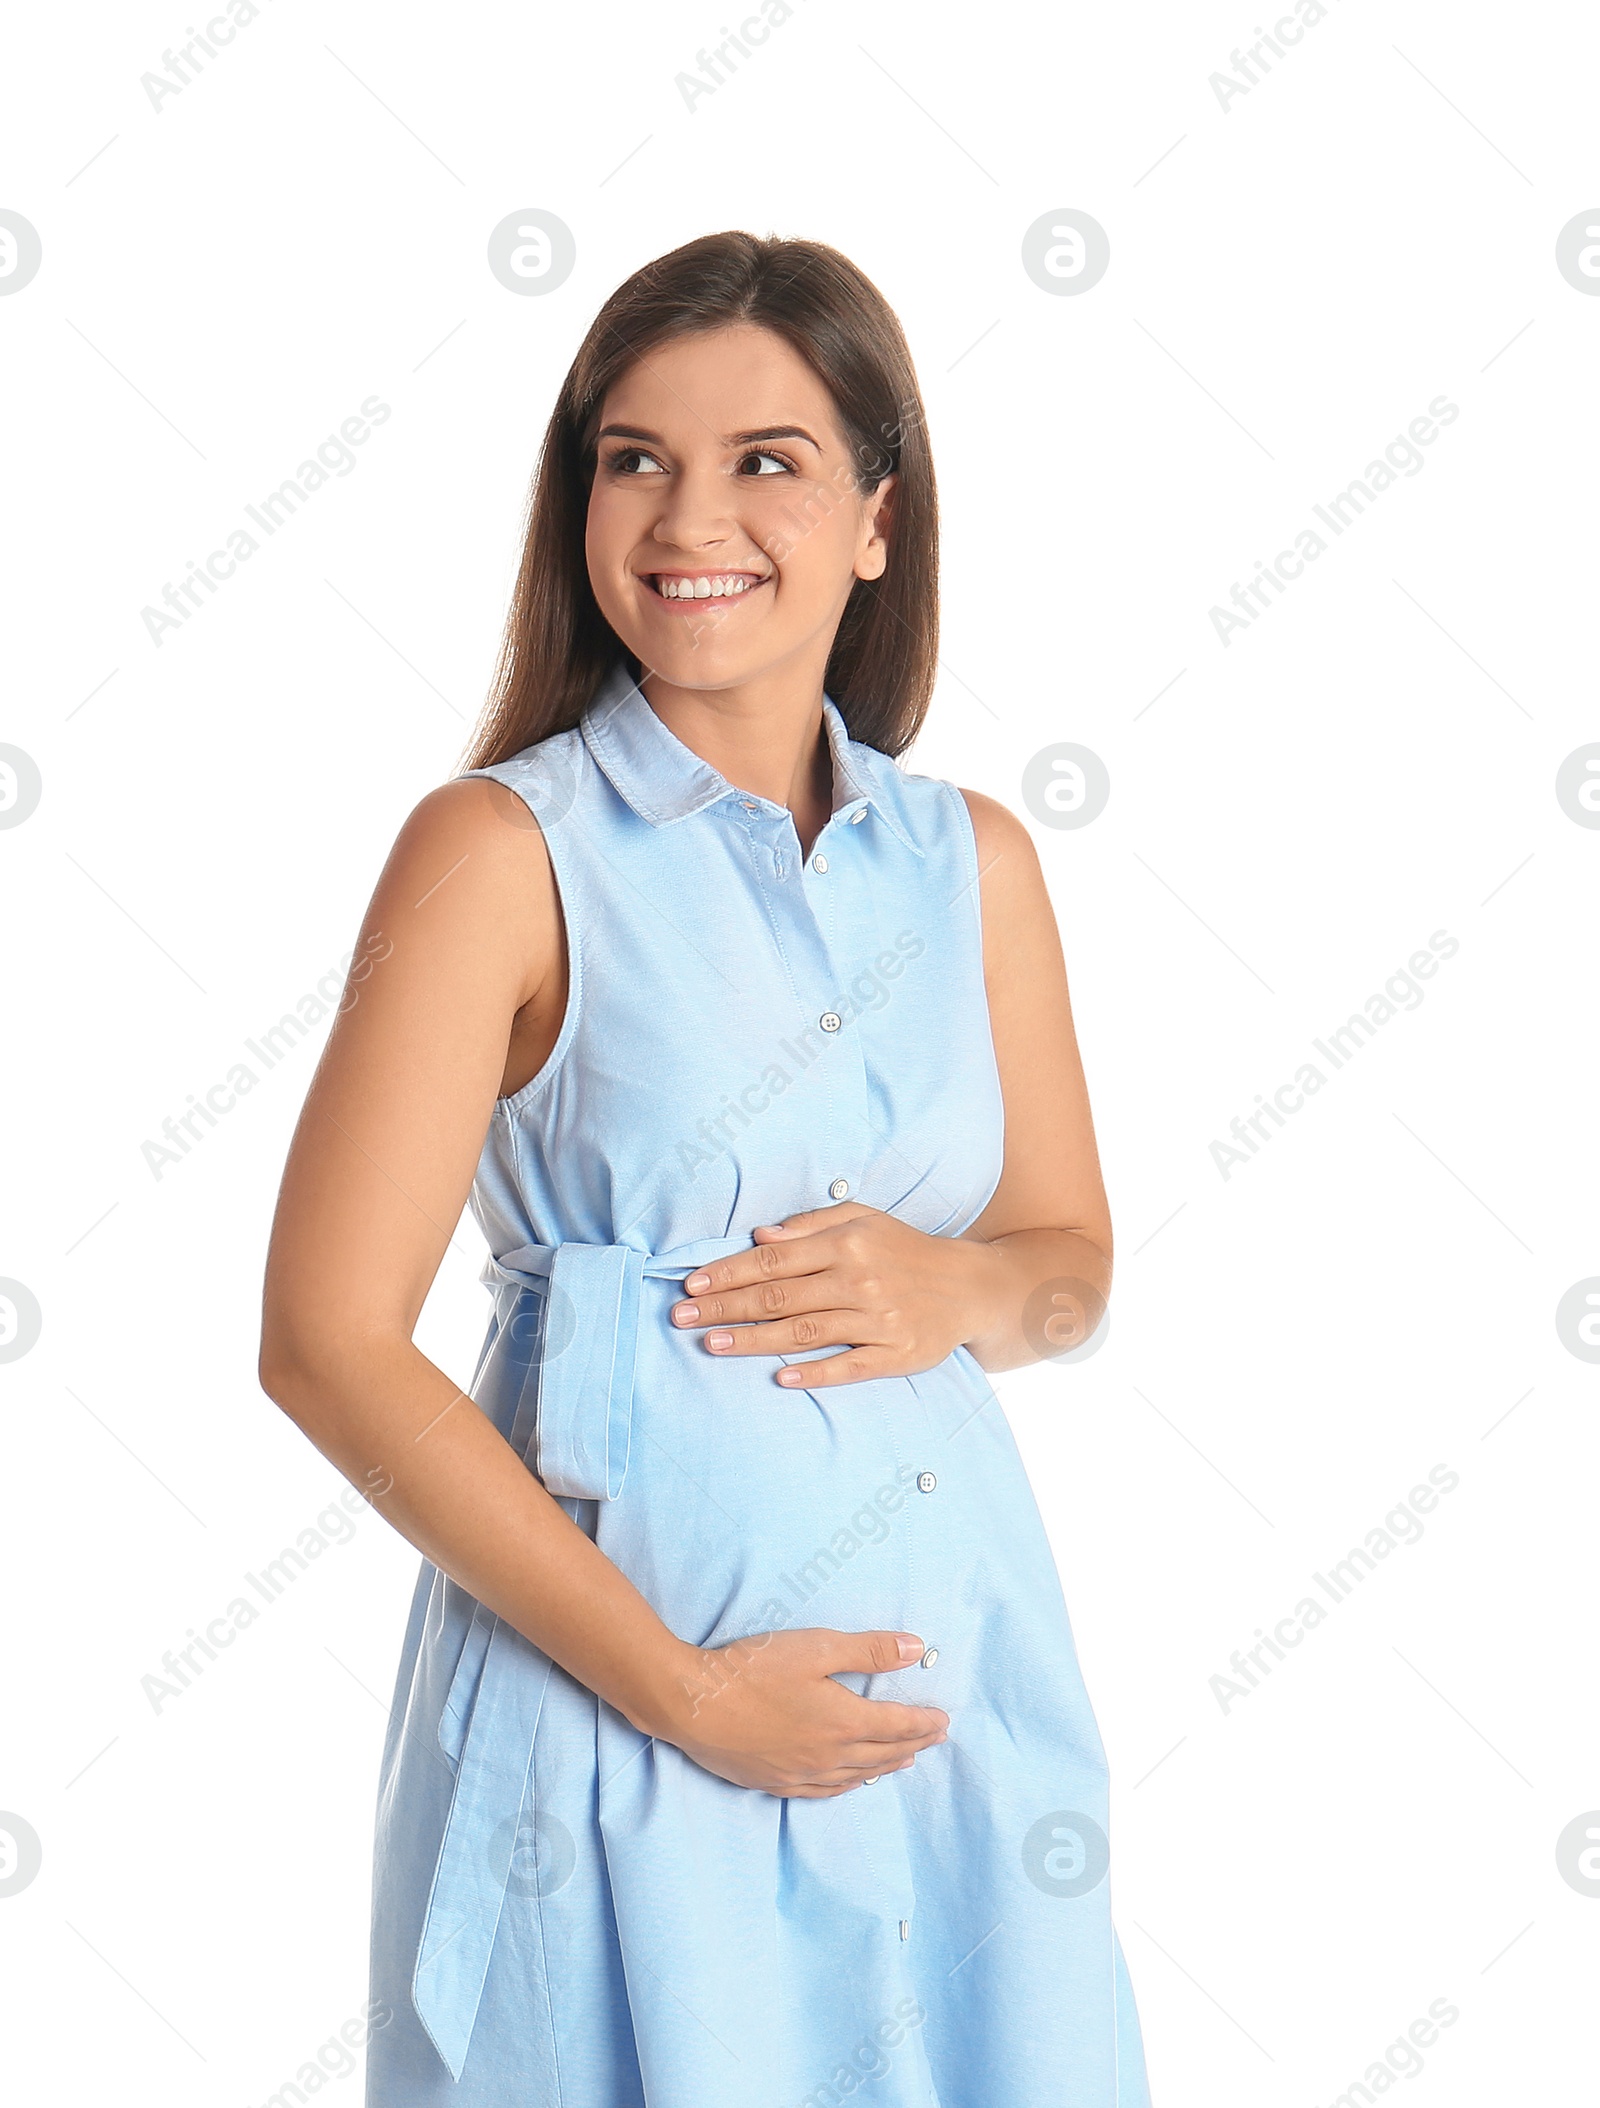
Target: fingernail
(791,1376)
(910,1649)
(719,1342)
(685,1313)
(696,1284)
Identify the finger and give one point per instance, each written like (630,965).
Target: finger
(858,1364)
(774,1298)
(844,1776)
(875,1721)
(796,1335)
(839,1777)
(872,1653)
(908,1727)
(849,1769)
(869,1768)
(743,1269)
(885,1756)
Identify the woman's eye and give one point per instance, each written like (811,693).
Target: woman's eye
(636,461)
(776,459)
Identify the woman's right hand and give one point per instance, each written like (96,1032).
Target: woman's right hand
(765,1712)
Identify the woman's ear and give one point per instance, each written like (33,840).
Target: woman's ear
(877,524)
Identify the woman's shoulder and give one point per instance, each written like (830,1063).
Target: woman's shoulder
(996,828)
(479,836)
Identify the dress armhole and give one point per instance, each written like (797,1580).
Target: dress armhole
(565,888)
(969,851)
(968,834)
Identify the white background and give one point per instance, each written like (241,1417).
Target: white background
(1291,1348)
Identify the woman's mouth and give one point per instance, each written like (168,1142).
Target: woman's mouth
(683,589)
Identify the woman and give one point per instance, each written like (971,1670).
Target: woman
(754,1056)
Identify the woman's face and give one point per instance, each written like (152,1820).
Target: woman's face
(725,527)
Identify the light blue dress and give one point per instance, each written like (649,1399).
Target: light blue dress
(566,1913)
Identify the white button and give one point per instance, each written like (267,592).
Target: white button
(830,1021)
(819,863)
(839,1188)
(905,1931)
(930,1657)
(858,815)
(926,1482)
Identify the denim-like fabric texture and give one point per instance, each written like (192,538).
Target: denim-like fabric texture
(566,1913)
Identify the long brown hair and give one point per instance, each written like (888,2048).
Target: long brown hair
(558,646)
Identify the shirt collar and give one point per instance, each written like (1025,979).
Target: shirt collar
(663,780)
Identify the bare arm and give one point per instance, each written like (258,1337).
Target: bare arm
(464,932)
(1048,1221)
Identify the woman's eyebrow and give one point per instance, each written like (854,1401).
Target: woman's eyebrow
(773,432)
(765,432)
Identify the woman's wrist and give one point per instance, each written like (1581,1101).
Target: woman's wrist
(1024,1265)
(661,1687)
(981,1289)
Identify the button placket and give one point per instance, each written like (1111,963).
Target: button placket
(837,914)
(810,917)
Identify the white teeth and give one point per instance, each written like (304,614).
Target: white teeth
(725,587)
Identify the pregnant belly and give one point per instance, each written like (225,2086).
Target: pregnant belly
(748,1507)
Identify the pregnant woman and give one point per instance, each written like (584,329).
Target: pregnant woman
(740,1756)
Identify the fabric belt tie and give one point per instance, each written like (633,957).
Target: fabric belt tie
(572,1425)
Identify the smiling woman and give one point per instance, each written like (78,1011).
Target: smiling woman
(621,1813)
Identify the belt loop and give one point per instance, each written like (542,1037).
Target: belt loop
(524,1316)
(591,1330)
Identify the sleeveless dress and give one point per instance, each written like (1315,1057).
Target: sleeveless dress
(567,1913)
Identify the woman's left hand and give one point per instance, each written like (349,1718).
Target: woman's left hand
(848,1276)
